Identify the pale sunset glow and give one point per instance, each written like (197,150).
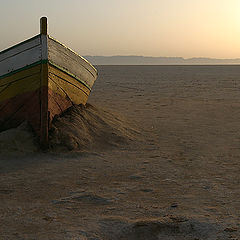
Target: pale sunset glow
(182,28)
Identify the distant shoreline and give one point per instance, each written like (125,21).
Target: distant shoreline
(141,60)
(230,64)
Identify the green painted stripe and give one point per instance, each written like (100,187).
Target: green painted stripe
(24,68)
(28,40)
(70,74)
(19,79)
(43,62)
(68,83)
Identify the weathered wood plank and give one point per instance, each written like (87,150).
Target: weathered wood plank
(20,75)
(57,104)
(66,59)
(67,87)
(21,47)
(23,82)
(20,60)
(24,107)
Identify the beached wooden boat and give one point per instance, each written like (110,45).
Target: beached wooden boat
(40,78)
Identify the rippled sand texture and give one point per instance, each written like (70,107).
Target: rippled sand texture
(164,163)
(89,128)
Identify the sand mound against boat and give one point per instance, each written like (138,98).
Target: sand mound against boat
(78,128)
(85,127)
(20,139)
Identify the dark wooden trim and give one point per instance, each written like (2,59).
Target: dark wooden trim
(44,107)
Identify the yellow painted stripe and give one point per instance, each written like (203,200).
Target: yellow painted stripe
(21,75)
(69,73)
(68,87)
(25,81)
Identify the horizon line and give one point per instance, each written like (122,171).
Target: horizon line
(184,58)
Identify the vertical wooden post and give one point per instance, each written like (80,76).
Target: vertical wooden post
(44,86)
(43,25)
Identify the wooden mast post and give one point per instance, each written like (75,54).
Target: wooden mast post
(43,25)
(44,86)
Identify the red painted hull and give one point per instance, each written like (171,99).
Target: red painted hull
(27,107)
(24,107)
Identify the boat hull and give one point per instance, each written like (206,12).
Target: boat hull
(40,79)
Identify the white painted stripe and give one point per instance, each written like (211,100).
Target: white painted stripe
(21,47)
(88,64)
(66,59)
(20,60)
(20,56)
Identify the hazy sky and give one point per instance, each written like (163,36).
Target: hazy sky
(187,28)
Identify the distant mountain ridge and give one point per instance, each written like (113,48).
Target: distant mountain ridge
(142,60)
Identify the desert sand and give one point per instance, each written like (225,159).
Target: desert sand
(154,155)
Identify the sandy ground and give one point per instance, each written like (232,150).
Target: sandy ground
(178,179)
